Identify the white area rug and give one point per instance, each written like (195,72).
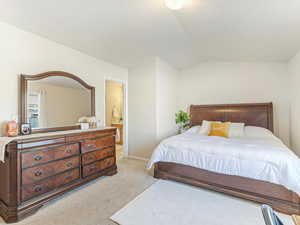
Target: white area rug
(171,203)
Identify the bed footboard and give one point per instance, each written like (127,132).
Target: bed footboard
(277,196)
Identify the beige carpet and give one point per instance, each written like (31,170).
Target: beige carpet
(94,203)
(171,203)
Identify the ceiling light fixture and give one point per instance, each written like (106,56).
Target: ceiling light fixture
(174,4)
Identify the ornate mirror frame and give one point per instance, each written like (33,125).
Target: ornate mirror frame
(23,97)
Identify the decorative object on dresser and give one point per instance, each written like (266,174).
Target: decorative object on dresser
(25,129)
(88,122)
(12,129)
(40,167)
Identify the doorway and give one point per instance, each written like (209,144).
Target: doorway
(114,112)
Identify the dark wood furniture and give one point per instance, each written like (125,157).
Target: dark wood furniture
(39,169)
(24,95)
(260,115)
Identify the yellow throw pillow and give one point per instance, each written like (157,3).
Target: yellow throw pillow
(219,129)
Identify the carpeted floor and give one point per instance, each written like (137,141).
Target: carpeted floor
(96,202)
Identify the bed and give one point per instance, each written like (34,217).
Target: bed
(268,170)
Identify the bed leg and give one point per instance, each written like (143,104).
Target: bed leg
(158,174)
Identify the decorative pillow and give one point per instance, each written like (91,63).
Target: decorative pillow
(236,130)
(219,129)
(205,128)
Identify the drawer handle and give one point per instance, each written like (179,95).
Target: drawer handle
(37,157)
(68,178)
(91,145)
(38,188)
(69,164)
(89,157)
(38,173)
(92,169)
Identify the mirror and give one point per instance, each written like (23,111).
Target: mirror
(55,101)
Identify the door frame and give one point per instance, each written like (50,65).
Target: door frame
(125,110)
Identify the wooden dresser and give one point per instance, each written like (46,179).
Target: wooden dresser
(39,169)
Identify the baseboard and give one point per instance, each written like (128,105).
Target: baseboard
(138,158)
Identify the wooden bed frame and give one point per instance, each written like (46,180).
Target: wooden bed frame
(260,114)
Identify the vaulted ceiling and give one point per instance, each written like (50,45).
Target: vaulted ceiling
(125,32)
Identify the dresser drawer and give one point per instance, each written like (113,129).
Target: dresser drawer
(32,190)
(81,137)
(98,166)
(97,143)
(40,142)
(42,155)
(37,173)
(97,155)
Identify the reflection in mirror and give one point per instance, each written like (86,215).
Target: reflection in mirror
(56,101)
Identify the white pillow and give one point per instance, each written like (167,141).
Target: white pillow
(206,126)
(193,130)
(257,132)
(236,130)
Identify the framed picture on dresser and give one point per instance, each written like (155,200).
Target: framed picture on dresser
(25,129)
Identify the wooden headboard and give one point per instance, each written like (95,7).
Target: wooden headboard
(254,114)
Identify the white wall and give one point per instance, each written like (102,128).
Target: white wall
(294,69)
(24,52)
(152,105)
(166,99)
(221,83)
(157,91)
(150,95)
(142,110)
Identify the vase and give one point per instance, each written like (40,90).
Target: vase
(180,130)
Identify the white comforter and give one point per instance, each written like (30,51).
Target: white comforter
(266,159)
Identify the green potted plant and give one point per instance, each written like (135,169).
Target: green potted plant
(182,119)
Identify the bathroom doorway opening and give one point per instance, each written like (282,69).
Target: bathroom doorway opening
(115,112)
